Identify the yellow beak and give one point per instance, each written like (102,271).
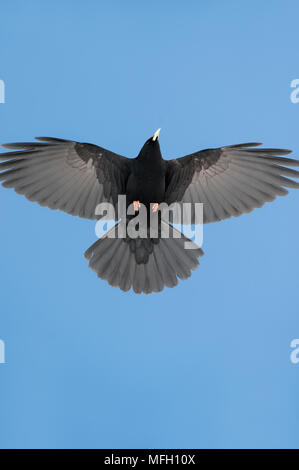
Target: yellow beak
(156,135)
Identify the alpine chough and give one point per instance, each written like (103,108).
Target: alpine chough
(76,177)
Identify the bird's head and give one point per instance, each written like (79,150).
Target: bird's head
(151,148)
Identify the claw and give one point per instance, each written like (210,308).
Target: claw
(155,207)
(136,205)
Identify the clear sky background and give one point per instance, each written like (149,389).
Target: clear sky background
(203,365)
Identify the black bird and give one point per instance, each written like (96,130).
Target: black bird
(76,177)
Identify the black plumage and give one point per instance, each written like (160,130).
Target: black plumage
(146,181)
(76,177)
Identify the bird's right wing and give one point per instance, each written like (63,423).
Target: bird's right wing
(231,180)
(67,175)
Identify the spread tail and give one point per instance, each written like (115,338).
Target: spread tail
(143,264)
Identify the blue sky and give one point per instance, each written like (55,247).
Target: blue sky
(206,364)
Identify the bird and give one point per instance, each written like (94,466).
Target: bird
(77,177)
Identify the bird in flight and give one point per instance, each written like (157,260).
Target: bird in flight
(76,177)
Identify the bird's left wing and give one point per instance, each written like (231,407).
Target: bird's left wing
(67,175)
(231,180)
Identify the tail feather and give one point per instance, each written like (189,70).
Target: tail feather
(167,273)
(145,265)
(177,264)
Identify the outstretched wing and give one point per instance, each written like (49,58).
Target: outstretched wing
(230,181)
(62,174)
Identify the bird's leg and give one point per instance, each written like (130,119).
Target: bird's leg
(155,207)
(136,205)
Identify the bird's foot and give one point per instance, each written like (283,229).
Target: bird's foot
(155,207)
(136,205)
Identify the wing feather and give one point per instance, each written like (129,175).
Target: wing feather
(66,175)
(231,180)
